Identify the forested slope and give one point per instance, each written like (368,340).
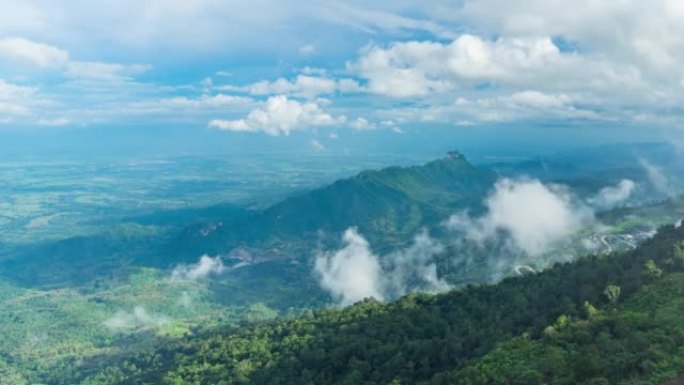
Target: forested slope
(388,206)
(600,320)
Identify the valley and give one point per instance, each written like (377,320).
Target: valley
(133,276)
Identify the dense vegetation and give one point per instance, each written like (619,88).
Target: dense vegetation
(63,299)
(600,320)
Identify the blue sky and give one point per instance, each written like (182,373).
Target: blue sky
(331,75)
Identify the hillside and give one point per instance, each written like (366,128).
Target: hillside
(388,206)
(600,320)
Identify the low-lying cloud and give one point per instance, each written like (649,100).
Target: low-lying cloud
(521,222)
(614,196)
(354,272)
(527,214)
(657,177)
(205,267)
(414,268)
(139,318)
(351,273)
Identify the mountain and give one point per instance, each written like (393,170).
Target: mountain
(388,206)
(614,319)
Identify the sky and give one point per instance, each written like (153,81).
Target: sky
(267,75)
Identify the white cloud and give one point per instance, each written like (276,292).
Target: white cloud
(38,54)
(280,115)
(215,102)
(352,273)
(643,34)
(532,215)
(204,268)
(104,71)
(526,104)
(657,177)
(617,62)
(361,124)
(49,57)
(414,269)
(421,68)
(307,49)
(201,25)
(515,77)
(139,318)
(535,99)
(76,91)
(14,99)
(218,100)
(57,122)
(303,85)
(9,91)
(314,71)
(318,146)
(613,196)
(389,17)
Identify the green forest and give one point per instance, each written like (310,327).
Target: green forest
(613,319)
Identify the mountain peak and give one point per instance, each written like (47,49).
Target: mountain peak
(454,154)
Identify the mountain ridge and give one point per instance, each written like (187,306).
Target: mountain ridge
(387,205)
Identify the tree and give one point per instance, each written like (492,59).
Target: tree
(561,322)
(612,292)
(652,270)
(679,252)
(589,310)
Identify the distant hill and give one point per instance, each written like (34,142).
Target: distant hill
(388,206)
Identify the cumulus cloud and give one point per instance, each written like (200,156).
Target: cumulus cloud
(204,268)
(513,77)
(354,272)
(139,318)
(419,68)
(281,115)
(613,196)
(527,214)
(38,54)
(631,31)
(519,60)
